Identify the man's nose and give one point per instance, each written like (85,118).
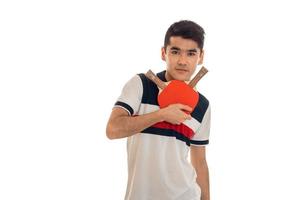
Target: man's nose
(182,60)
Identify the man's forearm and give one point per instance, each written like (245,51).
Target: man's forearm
(203,181)
(125,126)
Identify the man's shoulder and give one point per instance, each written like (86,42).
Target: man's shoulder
(201,107)
(160,75)
(147,83)
(203,100)
(142,76)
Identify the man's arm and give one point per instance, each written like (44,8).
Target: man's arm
(198,160)
(121,125)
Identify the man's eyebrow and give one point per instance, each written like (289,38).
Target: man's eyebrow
(178,49)
(175,48)
(192,50)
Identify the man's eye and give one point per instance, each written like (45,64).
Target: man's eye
(191,54)
(174,52)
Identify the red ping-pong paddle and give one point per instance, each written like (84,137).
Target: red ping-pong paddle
(177,91)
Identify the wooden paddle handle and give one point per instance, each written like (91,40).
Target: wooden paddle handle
(155,79)
(198,76)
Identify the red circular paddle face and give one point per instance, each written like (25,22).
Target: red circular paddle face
(178,92)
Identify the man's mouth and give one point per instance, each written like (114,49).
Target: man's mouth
(182,70)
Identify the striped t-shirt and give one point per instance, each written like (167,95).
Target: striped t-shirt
(158,168)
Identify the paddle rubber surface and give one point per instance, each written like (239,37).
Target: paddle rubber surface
(178,92)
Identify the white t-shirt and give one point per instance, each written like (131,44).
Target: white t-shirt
(158,168)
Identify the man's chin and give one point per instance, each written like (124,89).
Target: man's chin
(182,78)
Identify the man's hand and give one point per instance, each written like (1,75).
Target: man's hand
(175,114)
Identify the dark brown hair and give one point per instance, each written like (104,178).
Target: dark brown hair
(187,30)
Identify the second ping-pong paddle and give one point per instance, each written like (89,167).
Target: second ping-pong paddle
(177,91)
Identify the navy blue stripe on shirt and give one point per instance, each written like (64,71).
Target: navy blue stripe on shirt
(200,109)
(196,142)
(150,91)
(166,132)
(124,105)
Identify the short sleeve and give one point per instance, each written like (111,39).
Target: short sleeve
(201,136)
(131,95)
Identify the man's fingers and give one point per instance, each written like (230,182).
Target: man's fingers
(185,107)
(189,117)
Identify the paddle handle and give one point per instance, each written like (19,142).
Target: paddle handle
(155,79)
(198,76)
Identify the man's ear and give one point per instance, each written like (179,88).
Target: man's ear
(163,54)
(201,57)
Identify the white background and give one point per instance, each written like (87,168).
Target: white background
(64,63)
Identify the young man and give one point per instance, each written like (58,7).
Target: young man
(157,144)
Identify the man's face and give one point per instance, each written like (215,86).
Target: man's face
(182,57)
